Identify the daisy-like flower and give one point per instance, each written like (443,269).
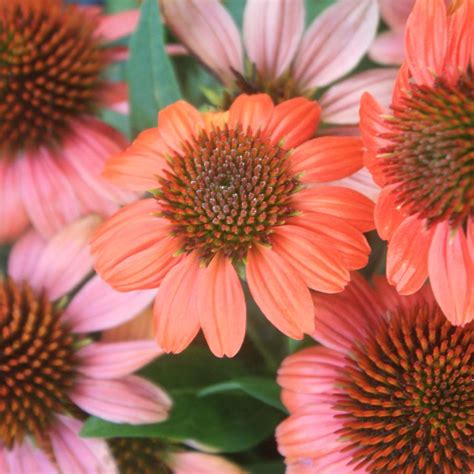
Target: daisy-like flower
(233,194)
(51,372)
(422,156)
(52,148)
(390,389)
(388,46)
(282,60)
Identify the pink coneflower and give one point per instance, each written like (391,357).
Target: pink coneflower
(52,149)
(233,195)
(51,372)
(390,389)
(421,154)
(280,60)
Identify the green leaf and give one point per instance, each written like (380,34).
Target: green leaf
(151,78)
(222,423)
(271,467)
(114,6)
(264,389)
(236,9)
(315,7)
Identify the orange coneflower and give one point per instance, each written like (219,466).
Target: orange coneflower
(231,197)
(422,156)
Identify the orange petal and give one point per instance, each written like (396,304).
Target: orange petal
(407,255)
(221,306)
(386,215)
(280,292)
(175,311)
(451,271)
(347,204)
(294,121)
(251,111)
(426,40)
(327,158)
(318,268)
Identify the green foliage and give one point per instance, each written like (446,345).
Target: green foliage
(151,78)
(315,7)
(114,6)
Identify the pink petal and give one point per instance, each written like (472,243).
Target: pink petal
(65,260)
(251,111)
(187,462)
(221,307)
(130,399)
(80,455)
(341,103)
(335,42)
(280,292)
(175,311)
(388,48)
(426,40)
(319,269)
(114,27)
(272,32)
(407,255)
(24,458)
(24,256)
(97,306)
(13,218)
(451,271)
(395,14)
(207,29)
(102,360)
(362,182)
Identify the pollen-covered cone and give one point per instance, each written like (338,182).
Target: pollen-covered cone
(422,155)
(234,192)
(389,389)
(52,148)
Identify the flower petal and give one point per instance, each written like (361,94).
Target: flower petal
(323,57)
(24,458)
(426,40)
(130,399)
(451,271)
(395,14)
(272,32)
(362,182)
(407,255)
(208,31)
(187,462)
(326,159)
(387,216)
(341,103)
(221,307)
(280,292)
(293,122)
(388,48)
(175,311)
(24,256)
(118,25)
(251,111)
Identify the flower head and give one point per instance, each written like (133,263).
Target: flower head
(52,373)
(234,192)
(388,391)
(53,57)
(421,155)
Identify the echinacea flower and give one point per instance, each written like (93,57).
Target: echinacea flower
(282,60)
(421,154)
(52,148)
(390,389)
(51,372)
(233,194)
(388,46)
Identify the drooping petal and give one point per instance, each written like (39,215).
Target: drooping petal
(24,458)
(335,42)
(97,306)
(130,399)
(251,111)
(221,307)
(272,32)
(388,48)
(175,312)
(65,260)
(341,103)
(426,40)
(207,29)
(115,26)
(407,255)
(280,292)
(293,122)
(362,182)
(137,328)
(108,360)
(13,217)
(24,256)
(451,272)
(133,250)
(318,268)
(387,216)
(344,203)
(326,159)
(79,455)
(187,462)
(395,14)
